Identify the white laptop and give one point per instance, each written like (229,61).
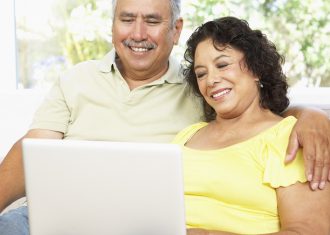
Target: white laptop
(103,188)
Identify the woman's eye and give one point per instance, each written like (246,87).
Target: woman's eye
(220,66)
(200,76)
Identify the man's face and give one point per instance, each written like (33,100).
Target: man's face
(143,35)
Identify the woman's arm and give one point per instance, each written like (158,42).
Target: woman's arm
(312,133)
(301,211)
(197,231)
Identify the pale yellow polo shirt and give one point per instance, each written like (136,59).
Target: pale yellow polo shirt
(92,101)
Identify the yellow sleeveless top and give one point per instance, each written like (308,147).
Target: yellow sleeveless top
(233,189)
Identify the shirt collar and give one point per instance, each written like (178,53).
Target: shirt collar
(173,75)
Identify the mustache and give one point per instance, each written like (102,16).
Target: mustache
(144,44)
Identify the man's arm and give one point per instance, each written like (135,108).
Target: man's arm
(312,133)
(12,185)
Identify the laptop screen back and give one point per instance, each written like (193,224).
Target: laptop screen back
(97,187)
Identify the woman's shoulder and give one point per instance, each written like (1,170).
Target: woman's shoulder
(184,135)
(281,128)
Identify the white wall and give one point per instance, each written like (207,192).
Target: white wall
(7,45)
(311,97)
(17,109)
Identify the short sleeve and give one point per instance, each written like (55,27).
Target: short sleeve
(276,172)
(53,113)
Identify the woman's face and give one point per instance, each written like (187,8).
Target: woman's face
(224,80)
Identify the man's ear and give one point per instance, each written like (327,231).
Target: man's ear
(178,28)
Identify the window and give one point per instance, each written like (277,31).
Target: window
(52,35)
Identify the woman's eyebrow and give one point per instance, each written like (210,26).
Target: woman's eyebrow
(214,60)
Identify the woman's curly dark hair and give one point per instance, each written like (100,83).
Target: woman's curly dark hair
(260,56)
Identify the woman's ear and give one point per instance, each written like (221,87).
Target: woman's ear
(259,84)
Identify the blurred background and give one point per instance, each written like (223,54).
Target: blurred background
(41,38)
(52,35)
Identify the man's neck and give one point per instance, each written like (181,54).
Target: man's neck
(136,79)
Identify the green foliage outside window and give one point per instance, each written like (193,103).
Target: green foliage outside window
(300,29)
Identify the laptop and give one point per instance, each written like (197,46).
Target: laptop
(78,187)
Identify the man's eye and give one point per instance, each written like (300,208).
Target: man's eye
(153,22)
(127,20)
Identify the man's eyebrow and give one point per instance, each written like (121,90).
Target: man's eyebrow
(127,14)
(152,16)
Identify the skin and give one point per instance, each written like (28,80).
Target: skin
(143,21)
(148,66)
(236,81)
(316,155)
(146,25)
(230,88)
(12,186)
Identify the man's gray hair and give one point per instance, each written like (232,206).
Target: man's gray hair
(175,10)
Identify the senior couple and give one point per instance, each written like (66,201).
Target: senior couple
(228,111)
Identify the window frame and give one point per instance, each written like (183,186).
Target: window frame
(8,46)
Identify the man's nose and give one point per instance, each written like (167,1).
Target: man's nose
(139,31)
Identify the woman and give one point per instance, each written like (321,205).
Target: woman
(235,179)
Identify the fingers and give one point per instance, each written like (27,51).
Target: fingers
(310,169)
(317,163)
(322,162)
(324,177)
(320,174)
(292,148)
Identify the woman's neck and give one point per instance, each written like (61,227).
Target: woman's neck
(224,132)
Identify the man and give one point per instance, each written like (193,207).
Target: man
(134,93)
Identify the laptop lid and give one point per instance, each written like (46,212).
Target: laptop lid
(97,187)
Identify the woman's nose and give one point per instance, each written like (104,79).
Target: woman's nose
(211,80)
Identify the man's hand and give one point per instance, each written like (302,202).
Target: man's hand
(312,133)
